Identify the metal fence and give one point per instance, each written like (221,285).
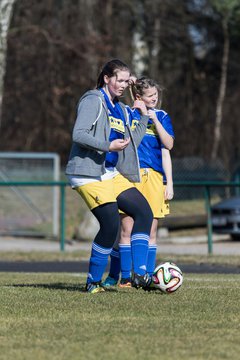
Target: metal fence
(27,207)
(206,185)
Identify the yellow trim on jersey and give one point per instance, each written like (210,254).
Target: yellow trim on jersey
(117,124)
(134,124)
(151,128)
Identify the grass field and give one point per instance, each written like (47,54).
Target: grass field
(49,316)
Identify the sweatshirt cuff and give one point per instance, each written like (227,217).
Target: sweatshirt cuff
(106,148)
(144,119)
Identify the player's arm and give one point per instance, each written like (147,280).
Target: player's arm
(138,132)
(166,139)
(88,111)
(167,167)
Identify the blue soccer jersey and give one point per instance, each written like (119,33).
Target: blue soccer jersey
(117,123)
(149,151)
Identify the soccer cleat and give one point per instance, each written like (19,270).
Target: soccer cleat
(125,283)
(94,287)
(141,281)
(150,287)
(109,281)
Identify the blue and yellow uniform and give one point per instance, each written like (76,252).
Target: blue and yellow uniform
(150,159)
(105,189)
(117,123)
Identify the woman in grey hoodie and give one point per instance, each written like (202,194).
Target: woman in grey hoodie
(103,154)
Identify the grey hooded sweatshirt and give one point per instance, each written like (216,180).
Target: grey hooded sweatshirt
(91,140)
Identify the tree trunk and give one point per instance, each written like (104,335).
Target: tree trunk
(140,47)
(6,7)
(155,51)
(222,91)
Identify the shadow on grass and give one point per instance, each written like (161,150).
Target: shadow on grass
(58,286)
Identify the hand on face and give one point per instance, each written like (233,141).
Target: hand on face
(119,144)
(140,105)
(132,80)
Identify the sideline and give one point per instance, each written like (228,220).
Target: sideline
(82,267)
(188,245)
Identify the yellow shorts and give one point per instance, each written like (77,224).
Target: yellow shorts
(97,193)
(101,192)
(165,205)
(152,188)
(121,184)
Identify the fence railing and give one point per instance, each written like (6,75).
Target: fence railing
(62,185)
(206,185)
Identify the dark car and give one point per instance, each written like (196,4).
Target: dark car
(226,217)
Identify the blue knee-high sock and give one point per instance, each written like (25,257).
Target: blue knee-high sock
(114,264)
(125,260)
(139,244)
(151,260)
(98,262)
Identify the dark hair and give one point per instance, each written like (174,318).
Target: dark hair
(138,86)
(110,69)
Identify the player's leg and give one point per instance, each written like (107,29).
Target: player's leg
(104,240)
(121,256)
(120,184)
(122,261)
(133,203)
(100,198)
(153,190)
(114,270)
(125,251)
(152,248)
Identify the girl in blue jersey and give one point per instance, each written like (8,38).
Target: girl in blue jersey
(155,164)
(104,146)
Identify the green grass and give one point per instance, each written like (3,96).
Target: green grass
(49,316)
(44,256)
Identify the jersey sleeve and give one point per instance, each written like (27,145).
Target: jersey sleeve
(167,124)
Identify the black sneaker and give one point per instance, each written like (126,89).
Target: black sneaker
(94,287)
(141,281)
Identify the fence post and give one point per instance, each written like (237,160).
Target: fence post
(237,179)
(62,219)
(209,218)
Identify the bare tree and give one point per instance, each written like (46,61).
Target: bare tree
(226,9)
(6,7)
(56,49)
(140,48)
